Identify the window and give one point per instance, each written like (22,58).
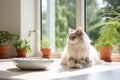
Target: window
(57,17)
(93,16)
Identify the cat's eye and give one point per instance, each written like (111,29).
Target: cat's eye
(78,31)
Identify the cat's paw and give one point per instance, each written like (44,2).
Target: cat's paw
(82,62)
(79,66)
(63,62)
(89,65)
(71,64)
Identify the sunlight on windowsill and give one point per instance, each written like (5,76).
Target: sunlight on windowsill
(55,71)
(56,54)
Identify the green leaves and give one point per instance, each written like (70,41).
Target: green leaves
(22,43)
(45,43)
(5,37)
(109,33)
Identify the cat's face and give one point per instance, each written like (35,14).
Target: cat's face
(75,34)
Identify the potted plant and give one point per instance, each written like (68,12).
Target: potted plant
(22,47)
(5,38)
(45,48)
(108,35)
(45,44)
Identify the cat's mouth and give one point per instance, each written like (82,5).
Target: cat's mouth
(72,37)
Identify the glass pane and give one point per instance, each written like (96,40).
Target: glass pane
(45,28)
(65,17)
(93,16)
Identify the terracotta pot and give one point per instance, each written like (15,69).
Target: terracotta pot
(4,51)
(46,52)
(105,53)
(21,52)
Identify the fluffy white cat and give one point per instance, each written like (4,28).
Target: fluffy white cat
(79,53)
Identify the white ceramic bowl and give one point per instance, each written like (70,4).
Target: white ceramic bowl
(32,63)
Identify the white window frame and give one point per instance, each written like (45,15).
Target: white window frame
(80,8)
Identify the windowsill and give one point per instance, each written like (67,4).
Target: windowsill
(4,60)
(115,57)
(9,71)
(56,55)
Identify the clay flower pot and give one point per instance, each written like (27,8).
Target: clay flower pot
(46,52)
(21,52)
(4,51)
(105,53)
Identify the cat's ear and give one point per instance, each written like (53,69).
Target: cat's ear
(70,30)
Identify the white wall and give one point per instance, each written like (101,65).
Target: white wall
(10,17)
(20,16)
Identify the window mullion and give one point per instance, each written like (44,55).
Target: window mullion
(80,13)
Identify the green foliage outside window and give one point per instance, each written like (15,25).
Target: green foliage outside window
(96,14)
(65,18)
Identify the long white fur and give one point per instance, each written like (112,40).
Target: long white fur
(79,49)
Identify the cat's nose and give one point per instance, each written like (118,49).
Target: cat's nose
(81,33)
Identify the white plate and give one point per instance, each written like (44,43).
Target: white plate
(32,63)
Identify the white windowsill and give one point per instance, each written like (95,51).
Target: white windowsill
(9,71)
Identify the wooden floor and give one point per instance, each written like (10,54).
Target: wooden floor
(105,75)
